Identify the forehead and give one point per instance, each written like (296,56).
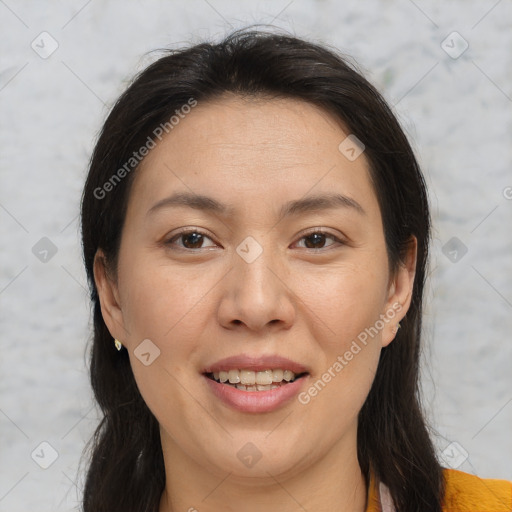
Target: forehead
(243,148)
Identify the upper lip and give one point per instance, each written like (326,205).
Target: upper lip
(256,363)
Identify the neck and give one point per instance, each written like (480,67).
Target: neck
(329,484)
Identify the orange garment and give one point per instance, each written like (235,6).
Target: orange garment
(464,493)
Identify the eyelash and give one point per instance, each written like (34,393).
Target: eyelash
(314,231)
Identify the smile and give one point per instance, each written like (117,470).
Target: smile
(254,397)
(249,380)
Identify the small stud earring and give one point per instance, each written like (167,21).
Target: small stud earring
(118,344)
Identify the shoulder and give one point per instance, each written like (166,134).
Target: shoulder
(469,493)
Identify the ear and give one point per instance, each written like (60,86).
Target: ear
(109,298)
(400,293)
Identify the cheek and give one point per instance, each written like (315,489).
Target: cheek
(344,395)
(165,304)
(159,299)
(347,299)
(350,358)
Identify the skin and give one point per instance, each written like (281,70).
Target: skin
(302,298)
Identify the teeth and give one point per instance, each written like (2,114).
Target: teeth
(288,375)
(234,376)
(264,378)
(248,379)
(258,387)
(277,375)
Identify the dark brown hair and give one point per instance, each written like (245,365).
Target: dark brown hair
(126,469)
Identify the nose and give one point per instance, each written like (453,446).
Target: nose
(257,295)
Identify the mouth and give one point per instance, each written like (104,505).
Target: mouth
(255,381)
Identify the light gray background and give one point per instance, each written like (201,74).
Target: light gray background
(457,113)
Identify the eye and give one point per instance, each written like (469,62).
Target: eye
(191,239)
(316,239)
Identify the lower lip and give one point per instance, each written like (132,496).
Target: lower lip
(255,401)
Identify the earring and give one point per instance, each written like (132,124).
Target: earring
(395,330)
(118,344)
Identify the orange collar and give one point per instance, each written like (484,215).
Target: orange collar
(464,492)
(373,503)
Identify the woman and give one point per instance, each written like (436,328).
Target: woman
(255,231)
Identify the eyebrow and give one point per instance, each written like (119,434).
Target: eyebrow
(295,207)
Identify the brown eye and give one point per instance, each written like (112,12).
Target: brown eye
(317,240)
(192,240)
(189,240)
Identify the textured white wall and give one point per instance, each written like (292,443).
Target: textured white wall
(457,112)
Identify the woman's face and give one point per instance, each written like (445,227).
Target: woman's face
(284,267)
